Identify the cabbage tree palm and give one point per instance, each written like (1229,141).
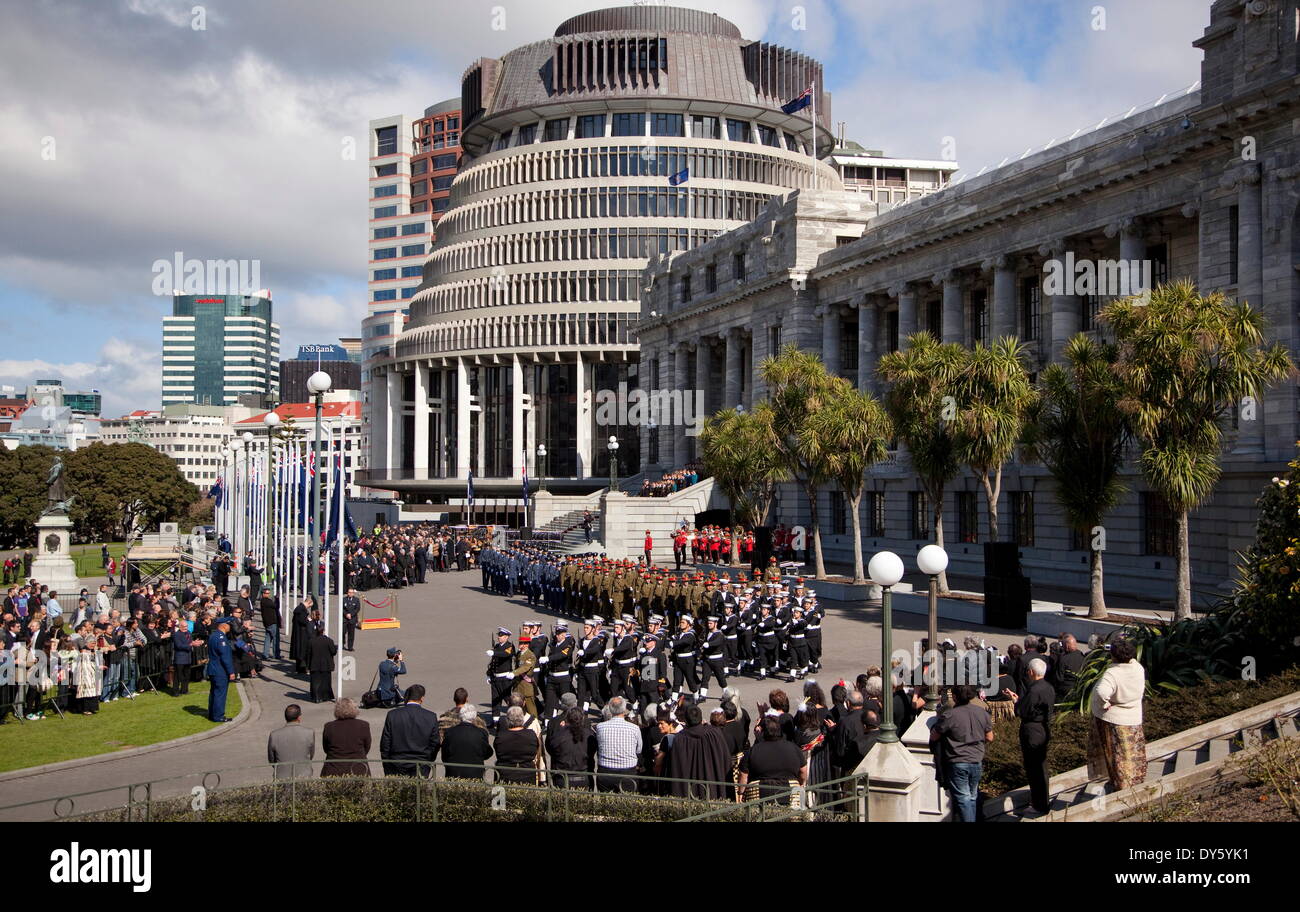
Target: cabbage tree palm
(1080,434)
(921,401)
(994,396)
(798,386)
(850,433)
(736,448)
(1185,360)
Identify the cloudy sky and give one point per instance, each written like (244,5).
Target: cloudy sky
(131,130)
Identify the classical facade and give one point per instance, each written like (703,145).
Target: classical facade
(632,131)
(1203,186)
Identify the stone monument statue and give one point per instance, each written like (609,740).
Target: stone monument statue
(59,502)
(53,565)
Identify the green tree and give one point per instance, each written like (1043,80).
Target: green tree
(738,451)
(1080,433)
(1186,359)
(849,434)
(922,402)
(798,386)
(23,492)
(994,397)
(123,487)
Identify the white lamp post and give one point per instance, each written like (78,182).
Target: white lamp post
(885,570)
(933,560)
(613,464)
(318,384)
(272,422)
(541,468)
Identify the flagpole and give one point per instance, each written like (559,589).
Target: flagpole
(342,536)
(817,178)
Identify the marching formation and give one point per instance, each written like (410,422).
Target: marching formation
(640,632)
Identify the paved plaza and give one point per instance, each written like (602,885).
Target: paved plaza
(447,624)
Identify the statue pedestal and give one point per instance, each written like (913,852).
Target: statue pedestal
(53,565)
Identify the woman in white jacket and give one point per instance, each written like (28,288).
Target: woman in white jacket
(1117,749)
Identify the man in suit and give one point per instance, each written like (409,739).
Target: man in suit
(421,559)
(291,747)
(270,610)
(351,618)
(254,573)
(411,738)
(465,747)
(1066,668)
(1035,706)
(221,671)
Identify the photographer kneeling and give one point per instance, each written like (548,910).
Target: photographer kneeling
(389,669)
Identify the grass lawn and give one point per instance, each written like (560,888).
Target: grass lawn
(148,719)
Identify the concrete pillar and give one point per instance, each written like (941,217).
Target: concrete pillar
(380,420)
(932,801)
(518,433)
(703,371)
(953,308)
(1003,319)
(420,465)
(906,312)
(831,332)
(583,406)
(1061,318)
(757,352)
(893,779)
(681,381)
(1250,289)
(462,418)
(395,421)
(868,327)
(733,369)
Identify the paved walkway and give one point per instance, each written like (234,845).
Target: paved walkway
(447,624)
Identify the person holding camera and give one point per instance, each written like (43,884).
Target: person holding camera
(389,669)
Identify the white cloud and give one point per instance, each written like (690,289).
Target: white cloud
(129,375)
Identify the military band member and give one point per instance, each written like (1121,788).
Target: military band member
(590,658)
(652,670)
(500,671)
(729,625)
(813,614)
(766,641)
(798,642)
(622,657)
(524,684)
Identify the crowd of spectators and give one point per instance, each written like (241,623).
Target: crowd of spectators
(670,482)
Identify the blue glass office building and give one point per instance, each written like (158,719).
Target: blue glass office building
(217,348)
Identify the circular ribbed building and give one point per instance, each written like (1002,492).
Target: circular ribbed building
(634,132)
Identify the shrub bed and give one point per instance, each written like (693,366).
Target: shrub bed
(1165,714)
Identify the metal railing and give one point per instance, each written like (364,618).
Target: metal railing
(255,794)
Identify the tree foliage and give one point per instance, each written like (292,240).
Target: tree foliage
(23,492)
(738,451)
(124,487)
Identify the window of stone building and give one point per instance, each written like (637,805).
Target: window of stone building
(1158,255)
(876,514)
(918,508)
(934,318)
(967,517)
(686,289)
(848,347)
(891,330)
(1159,525)
(773,340)
(738,267)
(1234,254)
(839,514)
(979,316)
(711,278)
(1030,308)
(1089,307)
(1022,518)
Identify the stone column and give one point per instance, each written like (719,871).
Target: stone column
(906,311)
(703,370)
(757,352)
(1132,253)
(831,330)
(1003,320)
(420,463)
(462,418)
(868,328)
(380,419)
(518,432)
(583,426)
(733,368)
(395,442)
(1250,289)
(1060,305)
(953,310)
(681,381)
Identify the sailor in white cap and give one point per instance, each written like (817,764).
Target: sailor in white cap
(714,654)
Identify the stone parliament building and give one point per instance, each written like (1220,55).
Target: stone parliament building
(1203,186)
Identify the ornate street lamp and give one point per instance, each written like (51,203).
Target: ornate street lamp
(541,467)
(613,464)
(885,570)
(318,384)
(933,560)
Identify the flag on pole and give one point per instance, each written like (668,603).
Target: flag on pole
(681,177)
(469,488)
(217,493)
(803,100)
(525,490)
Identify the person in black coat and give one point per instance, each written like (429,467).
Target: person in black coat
(516,749)
(571,744)
(465,747)
(182,659)
(1036,707)
(271,622)
(300,635)
(410,741)
(320,663)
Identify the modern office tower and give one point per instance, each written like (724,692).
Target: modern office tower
(345,374)
(219,347)
(631,133)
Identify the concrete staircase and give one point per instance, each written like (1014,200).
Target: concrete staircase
(627,518)
(568,527)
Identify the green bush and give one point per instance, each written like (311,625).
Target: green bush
(1164,714)
(338,800)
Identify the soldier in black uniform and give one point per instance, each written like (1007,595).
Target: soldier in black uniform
(714,655)
(684,652)
(730,626)
(766,641)
(590,657)
(559,669)
(621,659)
(500,671)
(351,619)
(798,642)
(813,614)
(653,670)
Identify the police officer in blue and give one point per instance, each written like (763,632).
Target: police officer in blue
(221,671)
